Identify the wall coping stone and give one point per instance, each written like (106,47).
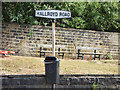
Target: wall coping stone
(64,75)
(69,29)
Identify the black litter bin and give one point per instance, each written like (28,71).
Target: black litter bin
(52,69)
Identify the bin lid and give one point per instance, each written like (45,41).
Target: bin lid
(51,58)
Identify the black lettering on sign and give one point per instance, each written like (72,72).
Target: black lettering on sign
(41,13)
(54,14)
(48,13)
(38,13)
(64,14)
(45,14)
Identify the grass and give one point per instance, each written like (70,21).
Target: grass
(22,65)
(87,67)
(35,65)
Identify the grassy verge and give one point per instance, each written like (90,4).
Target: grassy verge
(35,65)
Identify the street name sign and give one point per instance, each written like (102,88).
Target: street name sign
(52,14)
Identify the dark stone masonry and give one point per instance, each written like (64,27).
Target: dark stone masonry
(67,82)
(18,38)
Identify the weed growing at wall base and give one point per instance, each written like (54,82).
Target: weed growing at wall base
(108,56)
(95,86)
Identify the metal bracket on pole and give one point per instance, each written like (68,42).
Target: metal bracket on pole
(53,20)
(53,36)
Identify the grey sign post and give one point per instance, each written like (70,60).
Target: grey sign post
(53,14)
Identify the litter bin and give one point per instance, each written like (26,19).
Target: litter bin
(52,69)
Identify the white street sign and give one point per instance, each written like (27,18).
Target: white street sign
(53,14)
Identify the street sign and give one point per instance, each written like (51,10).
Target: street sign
(53,14)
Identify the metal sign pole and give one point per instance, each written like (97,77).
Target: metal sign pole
(53,86)
(53,43)
(53,37)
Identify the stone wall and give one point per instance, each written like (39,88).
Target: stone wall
(16,37)
(67,82)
